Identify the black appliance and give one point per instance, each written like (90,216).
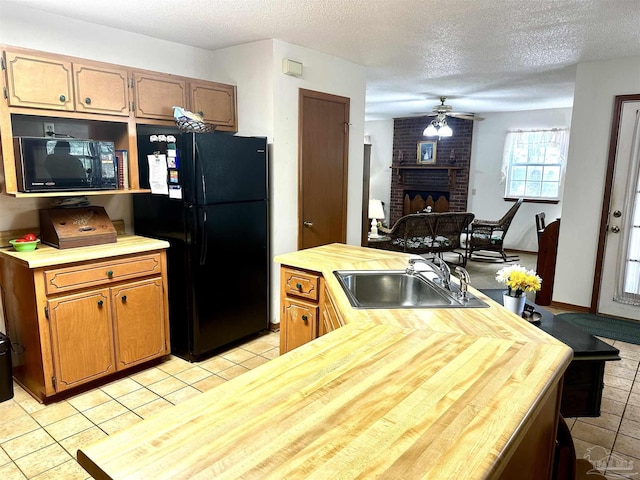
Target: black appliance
(64,164)
(218,261)
(6,372)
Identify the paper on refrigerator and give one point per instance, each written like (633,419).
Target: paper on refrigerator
(158,174)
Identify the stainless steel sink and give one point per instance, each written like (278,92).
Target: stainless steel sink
(398,289)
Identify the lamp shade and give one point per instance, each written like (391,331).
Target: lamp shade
(430,131)
(445,131)
(375,209)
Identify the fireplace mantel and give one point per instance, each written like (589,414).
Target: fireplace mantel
(399,170)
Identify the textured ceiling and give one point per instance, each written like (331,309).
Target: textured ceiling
(484,55)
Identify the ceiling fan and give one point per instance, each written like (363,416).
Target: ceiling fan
(441,111)
(438,126)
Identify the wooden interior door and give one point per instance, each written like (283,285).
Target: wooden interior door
(323,145)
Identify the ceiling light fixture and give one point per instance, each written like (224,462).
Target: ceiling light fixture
(439,127)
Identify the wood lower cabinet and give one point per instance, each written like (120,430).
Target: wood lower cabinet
(330,318)
(307,309)
(299,300)
(84,321)
(81,338)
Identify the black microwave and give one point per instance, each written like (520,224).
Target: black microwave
(69,164)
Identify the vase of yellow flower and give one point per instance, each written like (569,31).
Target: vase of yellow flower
(518,280)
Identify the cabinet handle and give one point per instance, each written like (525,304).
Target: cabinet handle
(87,101)
(304,318)
(100,302)
(299,286)
(63,98)
(109,273)
(124,298)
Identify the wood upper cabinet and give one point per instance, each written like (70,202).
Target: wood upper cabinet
(101,90)
(81,338)
(39,82)
(155,95)
(216,102)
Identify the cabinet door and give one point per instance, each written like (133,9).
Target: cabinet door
(39,82)
(139,322)
(156,95)
(100,90)
(216,103)
(81,338)
(301,320)
(331,319)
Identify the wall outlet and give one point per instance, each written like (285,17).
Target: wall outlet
(49,129)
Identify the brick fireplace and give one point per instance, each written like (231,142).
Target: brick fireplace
(447,178)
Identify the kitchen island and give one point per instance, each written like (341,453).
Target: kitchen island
(411,393)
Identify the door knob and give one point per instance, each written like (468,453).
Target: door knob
(615,229)
(307,223)
(617,214)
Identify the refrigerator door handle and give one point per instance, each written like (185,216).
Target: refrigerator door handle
(203,183)
(203,238)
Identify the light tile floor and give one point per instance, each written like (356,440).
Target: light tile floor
(40,442)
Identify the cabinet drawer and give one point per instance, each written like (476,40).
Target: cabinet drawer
(89,275)
(301,284)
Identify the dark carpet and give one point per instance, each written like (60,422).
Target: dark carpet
(602,326)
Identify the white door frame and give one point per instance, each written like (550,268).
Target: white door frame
(606,215)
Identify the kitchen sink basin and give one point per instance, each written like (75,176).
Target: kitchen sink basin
(398,289)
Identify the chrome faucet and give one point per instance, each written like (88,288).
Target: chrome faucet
(463,275)
(442,270)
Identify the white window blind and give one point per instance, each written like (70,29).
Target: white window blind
(534,162)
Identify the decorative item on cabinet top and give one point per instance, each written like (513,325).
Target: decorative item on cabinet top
(188,122)
(76,227)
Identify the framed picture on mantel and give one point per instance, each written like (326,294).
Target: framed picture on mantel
(427,152)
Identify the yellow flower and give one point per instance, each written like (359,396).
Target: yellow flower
(518,279)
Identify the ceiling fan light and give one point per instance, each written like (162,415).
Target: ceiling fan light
(445,131)
(430,131)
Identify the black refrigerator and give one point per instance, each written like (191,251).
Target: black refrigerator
(218,261)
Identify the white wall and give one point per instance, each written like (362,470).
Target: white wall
(486,191)
(381,135)
(597,83)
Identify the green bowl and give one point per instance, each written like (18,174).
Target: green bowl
(24,246)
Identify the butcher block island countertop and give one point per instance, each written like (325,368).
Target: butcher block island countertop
(403,394)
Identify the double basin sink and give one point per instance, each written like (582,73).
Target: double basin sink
(399,289)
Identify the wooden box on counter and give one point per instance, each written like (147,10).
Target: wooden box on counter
(76,227)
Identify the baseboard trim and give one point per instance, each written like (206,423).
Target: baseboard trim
(274,327)
(569,306)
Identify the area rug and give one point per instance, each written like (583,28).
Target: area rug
(608,327)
